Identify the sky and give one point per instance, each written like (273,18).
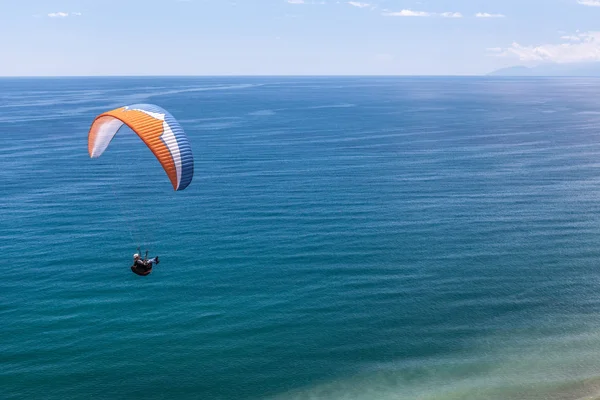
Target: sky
(292,37)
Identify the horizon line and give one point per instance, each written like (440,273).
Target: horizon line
(488,74)
(230,75)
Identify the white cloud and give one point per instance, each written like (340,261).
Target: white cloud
(586,48)
(407,13)
(62,14)
(591,3)
(451,15)
(488,15)
(304,2)
(572,38)
(358,4)
(411,13)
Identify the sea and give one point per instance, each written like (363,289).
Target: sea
(356,238)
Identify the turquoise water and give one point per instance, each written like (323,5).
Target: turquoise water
(343,238)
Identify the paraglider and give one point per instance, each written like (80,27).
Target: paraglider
(144,266)
(162,134)
(157,128)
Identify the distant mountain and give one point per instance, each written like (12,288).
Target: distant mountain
(571,69)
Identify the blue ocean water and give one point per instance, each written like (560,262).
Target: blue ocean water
(343,238)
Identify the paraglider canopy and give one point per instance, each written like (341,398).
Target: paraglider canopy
(157,128)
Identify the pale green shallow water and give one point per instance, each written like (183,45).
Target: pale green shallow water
(343,238)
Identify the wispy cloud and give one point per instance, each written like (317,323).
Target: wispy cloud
(304,2)
(591,3)
(358,4)
(411,13)
(585,48)
(62,14)
(59,14)
(451,15)
(488,15)
(406,13)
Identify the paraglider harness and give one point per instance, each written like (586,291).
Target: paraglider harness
(144,261)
